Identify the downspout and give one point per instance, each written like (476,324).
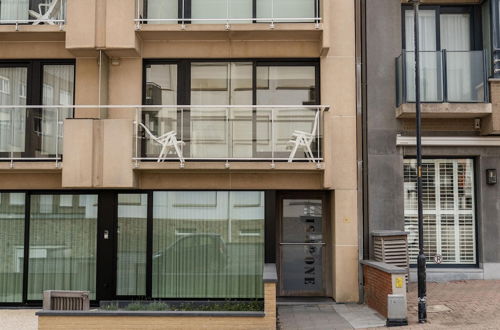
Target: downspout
(361,129)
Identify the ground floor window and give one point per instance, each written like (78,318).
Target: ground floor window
(448,203)
(62,244)
(11,246)
(152,245)
(208,244)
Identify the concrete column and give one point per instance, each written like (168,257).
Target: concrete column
(338,89)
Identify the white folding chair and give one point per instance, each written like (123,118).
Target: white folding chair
(169,143)
(47,12)
(301,139)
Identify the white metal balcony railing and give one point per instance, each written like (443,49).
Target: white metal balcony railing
(274,133)
(227,12)
(32,12)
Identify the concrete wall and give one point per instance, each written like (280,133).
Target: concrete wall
(487,206)
(384,162)
(385,159)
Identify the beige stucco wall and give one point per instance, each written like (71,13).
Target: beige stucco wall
(338,89)
(97,156)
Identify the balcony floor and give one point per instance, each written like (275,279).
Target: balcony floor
(445,110)
(233,166)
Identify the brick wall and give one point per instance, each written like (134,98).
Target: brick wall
(378,285)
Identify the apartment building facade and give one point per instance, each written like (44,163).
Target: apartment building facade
(161,149)
(459,92)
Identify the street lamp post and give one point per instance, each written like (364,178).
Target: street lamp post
(421,262)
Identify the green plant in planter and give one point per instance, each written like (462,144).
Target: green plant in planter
(110,307)
(157,306)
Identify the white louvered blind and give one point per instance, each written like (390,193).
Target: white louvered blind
(449,217)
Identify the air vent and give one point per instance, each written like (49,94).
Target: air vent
(391,247)
(66,300)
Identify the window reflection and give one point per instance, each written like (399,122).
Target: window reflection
(208,246)
(62,244)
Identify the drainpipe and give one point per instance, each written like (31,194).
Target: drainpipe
(361,128)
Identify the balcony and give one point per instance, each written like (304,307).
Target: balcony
(32,133)
(228,134)
(222,14)
(51,13)
(453,84)
(204,134)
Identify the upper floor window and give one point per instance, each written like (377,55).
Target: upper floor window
(224,11)
(34,132)
(235,109)
(32,11)
(452,59)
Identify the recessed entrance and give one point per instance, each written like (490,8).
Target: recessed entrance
(302,246)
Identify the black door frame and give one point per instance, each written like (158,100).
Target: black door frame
(327,255)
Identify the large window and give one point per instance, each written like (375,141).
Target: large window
(449,216)
(62,245)
(132,244)
(34,132)
(11,246)
(208,244)
(253,129)
(452,60)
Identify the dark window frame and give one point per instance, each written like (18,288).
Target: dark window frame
(476,40)
(34,95)
(106,258)
(184,84)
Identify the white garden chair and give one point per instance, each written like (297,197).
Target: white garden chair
(301,139)
(169,143)
(47,12)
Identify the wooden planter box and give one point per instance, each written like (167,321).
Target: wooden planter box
(105,320)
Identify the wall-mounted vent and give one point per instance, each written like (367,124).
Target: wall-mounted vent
(391,247)
(66,300)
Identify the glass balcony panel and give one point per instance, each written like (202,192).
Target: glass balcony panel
(399,80)
(239,11)
(465,76)
(287,10)
(158,10)
(226,11)
(209,136)
(431,76)
(32,11)
(159,121)
(241,132)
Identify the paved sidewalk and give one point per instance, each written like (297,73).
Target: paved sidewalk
(18,319)
(458,305)
(326,315)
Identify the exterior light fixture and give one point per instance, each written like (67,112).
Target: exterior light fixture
(491,176)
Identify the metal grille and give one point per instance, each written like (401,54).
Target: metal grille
(66,300)
(449,218)
(391,250)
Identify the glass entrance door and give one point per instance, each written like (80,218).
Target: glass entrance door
(302,247)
